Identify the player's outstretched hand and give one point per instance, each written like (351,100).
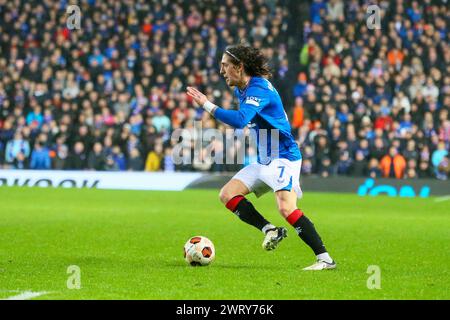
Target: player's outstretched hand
(198,97)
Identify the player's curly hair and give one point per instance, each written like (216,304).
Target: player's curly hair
(255,63)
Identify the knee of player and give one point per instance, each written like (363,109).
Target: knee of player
(285,210)
(224,195)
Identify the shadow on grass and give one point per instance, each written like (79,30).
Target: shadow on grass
(162,263)
(220,266)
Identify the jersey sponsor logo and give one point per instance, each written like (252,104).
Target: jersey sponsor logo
(253,100)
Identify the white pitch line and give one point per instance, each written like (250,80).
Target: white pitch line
(442,199)
(26,295)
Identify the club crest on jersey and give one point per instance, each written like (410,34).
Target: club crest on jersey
(253,100)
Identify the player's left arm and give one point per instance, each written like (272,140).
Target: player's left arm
(235,118)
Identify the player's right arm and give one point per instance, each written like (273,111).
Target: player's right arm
(235,118)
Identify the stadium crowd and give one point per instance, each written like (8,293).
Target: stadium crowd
(363,101)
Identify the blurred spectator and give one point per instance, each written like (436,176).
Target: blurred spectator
(443,169)
(300,87)
(96,159)
(335,10)
(439,159)
(411,151)
(424,170)
(298,114)
(119,158)
(110,164)
(60,157)
(15,147)
(306,167)
(364,148)
(393,164)
(135,162)
(154,159)
(374,170)
(322,150)
(168,163)
(325,168)
(20,161)
(40,157)
(344,164)
(430,89)
(77,159)
(360,165)
(411,169)
(378,149)
(317,7)
(35,117)
(161,122)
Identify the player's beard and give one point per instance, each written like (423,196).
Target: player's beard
(231,83)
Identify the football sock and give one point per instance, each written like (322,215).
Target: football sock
(325,257)
(268,227)
(306,231)
(244,209)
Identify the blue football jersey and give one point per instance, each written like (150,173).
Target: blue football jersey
(260,107)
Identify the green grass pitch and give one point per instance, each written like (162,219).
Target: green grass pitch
(129,245)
